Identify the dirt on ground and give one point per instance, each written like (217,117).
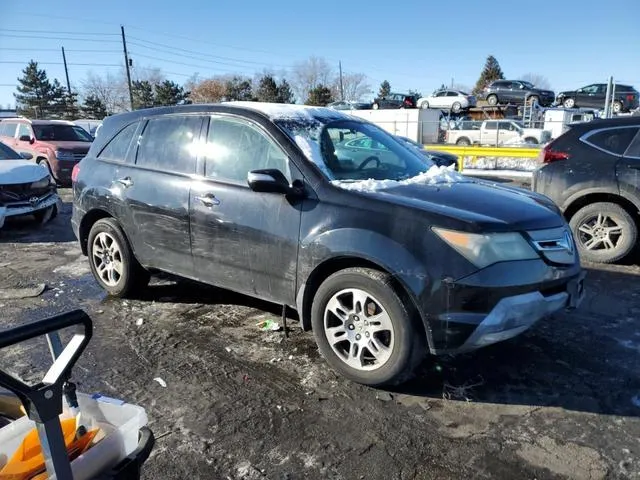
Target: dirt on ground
(562,401)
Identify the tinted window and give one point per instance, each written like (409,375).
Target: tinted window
(452,94)
(634,148)
(117,148)
(235,147)
(499,84)
(24,130)
(491,125)
(61,133)
(169,143)
(8,154)
(441,94)
(615,140)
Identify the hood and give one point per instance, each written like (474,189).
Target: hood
(80,147)
(481,205)
(20,171)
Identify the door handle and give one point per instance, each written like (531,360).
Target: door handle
(208,200)
(126,182)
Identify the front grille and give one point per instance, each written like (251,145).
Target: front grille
(20,192)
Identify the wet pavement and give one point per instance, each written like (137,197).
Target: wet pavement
(560,401)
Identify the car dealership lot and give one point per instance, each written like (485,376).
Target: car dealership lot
(561,401)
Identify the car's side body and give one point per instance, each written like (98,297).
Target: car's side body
(504,92)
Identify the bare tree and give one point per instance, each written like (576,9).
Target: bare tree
(310,73)
(153,75)
(110,89)
(209,90)
(354,85)
(537,80)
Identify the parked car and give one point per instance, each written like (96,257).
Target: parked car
(594,96)
(384,259)
(453,100)
(346,105)
(503,92)
(395,100)
(441,159)
(57,145)
(497,132)
(25,188)
(591,173)
(89,125)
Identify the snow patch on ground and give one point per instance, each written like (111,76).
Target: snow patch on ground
(501,163)
(435,175)
(497,173)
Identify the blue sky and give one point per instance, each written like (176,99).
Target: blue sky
(413,44)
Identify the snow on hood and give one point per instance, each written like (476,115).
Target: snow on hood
(20,171)
(435,175)
(284,111)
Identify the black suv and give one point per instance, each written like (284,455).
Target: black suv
(395,100)
(594,96)
(503,92)
(385,257)
(592,172)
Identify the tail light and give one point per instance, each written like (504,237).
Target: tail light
(548,155)
(631,97)
(75,172)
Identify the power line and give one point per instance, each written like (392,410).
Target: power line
(183,63)
(81,50)
(56,32)
(36,37)
(71,64)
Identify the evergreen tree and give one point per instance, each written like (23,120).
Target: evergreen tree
(415,93)
(60,102)
(490,72)
(94,108)
(169,93)
(35,92)
(268,90)
(143,96)
(68,106)
(285,94)
(385,89)
(319,96)
(238,88)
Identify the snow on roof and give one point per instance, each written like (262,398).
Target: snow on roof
(284,111)
(435,175)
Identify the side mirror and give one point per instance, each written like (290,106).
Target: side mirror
(26,155)
(26,138)
(270,180)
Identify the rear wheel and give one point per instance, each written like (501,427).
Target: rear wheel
(463,142)
(531,140)
(604,232)
(569,103)
(492,100)
(376,106)
(112,261)
(617,107)
(456,107)
(424,105)
(363,328)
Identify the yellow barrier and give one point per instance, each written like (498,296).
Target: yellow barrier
(476,151)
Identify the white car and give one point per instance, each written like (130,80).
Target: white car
(453,100)
(26,188)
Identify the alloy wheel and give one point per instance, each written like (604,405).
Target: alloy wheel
(599,233)
(107,258)
(359,329)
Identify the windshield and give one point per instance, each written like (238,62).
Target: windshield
(352,150)
(61,133)
(7,153)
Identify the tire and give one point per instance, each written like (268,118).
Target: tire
(404,342)
(44,163)
(376,106)
(531,140)
(46,214)
(492,100)
(617,107)
(606,214)
(132,276)
(464,141)
(456,107)
(424,105)
(569,103)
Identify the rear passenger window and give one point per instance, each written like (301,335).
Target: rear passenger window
(235,147)
(491,125)
(614,140)
(118,147)
(634,148)
(169,143)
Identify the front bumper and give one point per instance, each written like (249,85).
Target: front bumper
(15,209)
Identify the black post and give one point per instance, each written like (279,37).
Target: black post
(341,86)
(66,71)
(126,64)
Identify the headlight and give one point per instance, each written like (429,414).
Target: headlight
(64,155)
(486,249)
(44,183)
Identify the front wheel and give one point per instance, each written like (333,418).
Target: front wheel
(604,232)
(569,103)
(531,140)
(456,107)
(492,100)
(617,107)
(112,261)
(376,106)
(364,330)
(463,142)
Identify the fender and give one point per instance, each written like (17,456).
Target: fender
(583,192)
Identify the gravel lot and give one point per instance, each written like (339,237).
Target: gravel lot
(561,401)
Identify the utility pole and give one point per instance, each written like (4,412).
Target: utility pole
(127,65)
(451,83)
(607,99)
(341,85)
(613,95)
(66,71)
